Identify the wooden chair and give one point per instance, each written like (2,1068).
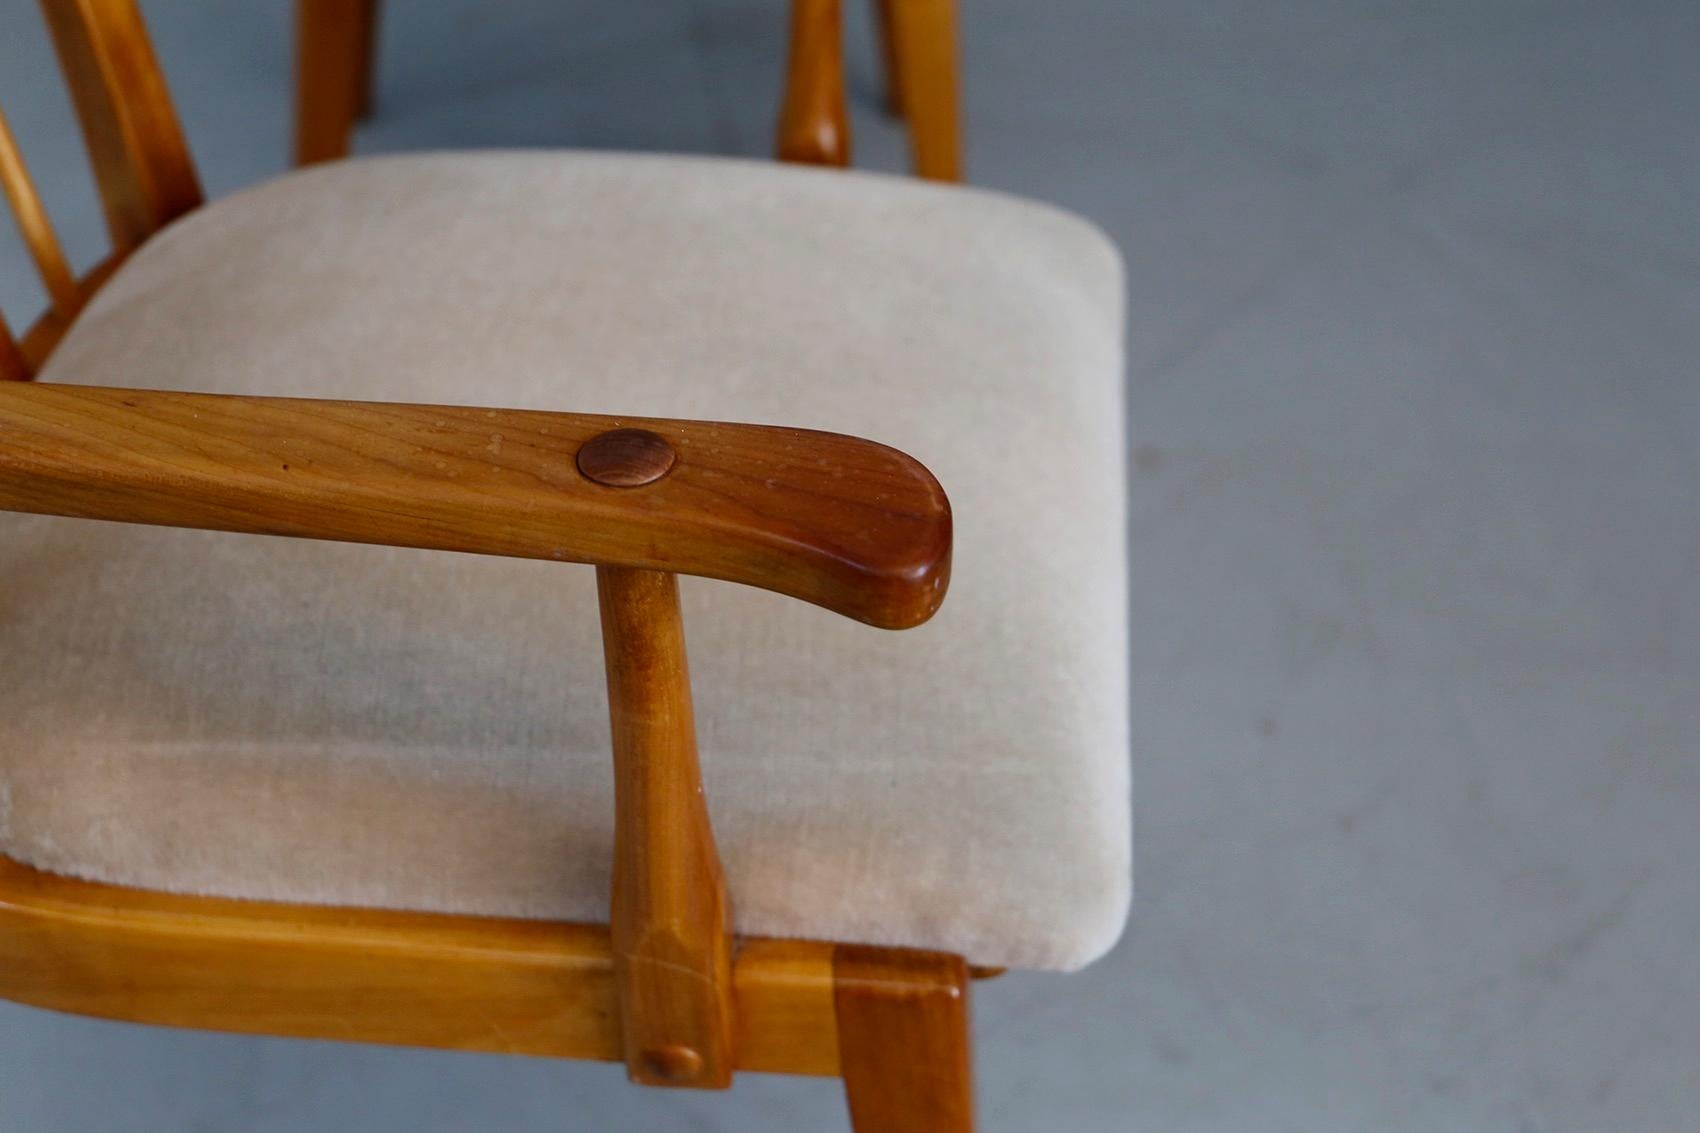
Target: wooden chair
(856,528)
(336,44)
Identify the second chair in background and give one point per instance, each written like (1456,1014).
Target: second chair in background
(336,47)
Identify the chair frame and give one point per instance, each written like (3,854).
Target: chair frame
(666,987)
(336,45)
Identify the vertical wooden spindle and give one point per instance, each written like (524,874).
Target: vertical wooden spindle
(141,162)
(37,230)
(672,952)
(922,52)
(335,43)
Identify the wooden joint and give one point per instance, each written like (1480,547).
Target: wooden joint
(670,920)
(13,368)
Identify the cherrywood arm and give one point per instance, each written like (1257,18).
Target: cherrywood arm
(847,524)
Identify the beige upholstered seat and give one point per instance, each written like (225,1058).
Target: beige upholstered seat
(344,724)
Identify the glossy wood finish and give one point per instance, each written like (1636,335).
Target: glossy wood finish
(921,37)
(335,41)
(844,523)
(903,1040)
(814,112)
(626,458)
(36,229)
(788,1017)
(141,163)
(467,983)
(363,975)
(671,946)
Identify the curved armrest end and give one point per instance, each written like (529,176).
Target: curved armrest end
(844,523)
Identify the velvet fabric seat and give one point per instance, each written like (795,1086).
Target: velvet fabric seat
(339,724)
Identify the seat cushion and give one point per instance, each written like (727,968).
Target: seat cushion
(329,723)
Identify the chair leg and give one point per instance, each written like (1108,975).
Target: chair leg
(903,1040)
(814,111)
(883,31)
(922,48)
(334,45)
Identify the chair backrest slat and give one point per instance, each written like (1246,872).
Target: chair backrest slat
(141,163)
(37,230)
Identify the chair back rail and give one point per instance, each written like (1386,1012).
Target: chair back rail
(142,167)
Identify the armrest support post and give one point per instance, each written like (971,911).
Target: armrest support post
(672,950)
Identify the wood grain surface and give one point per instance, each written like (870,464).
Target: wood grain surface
(848,524)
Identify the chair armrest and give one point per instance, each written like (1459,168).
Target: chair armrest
(847,524)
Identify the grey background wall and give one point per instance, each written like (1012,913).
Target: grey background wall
(1413,335)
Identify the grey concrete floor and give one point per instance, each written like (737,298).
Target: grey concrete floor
(1414,325)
